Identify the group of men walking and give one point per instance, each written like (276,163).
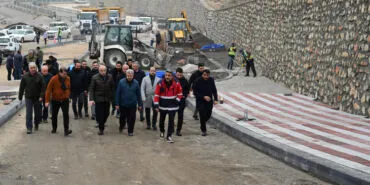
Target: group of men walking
(126,89)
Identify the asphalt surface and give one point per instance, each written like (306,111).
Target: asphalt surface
(86,158)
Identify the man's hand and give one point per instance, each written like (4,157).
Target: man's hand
(156,109)
(207,98)
(46,105)
(139,108)
(215,102)
(92,103)
(40,99)
(117,107)
(85,93)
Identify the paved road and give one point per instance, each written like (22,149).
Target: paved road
(86,158)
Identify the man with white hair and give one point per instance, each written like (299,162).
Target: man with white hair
(127,98)
(33,85)
(139,76)
(101,94)
(46,76)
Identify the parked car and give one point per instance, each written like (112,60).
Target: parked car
(139,26)
(9,44)
(19,27)
(4,33)
(53,32)
(24,35)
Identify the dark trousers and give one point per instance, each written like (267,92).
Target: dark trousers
(56,105)
(250,66)
(77,98)
(17,73)
(171,121)
(9,69)
(86,105)
(154,118)
(33,107)
(180,115)
(45,111)
(130,115)
(46,41)
(204,117)
(39,63)
(37,40)
(231,62)
(141,113)
(102,113)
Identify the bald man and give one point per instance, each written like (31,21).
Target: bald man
(101,94)
(46,76)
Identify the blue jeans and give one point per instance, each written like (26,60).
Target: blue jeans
(59,39)
(33,106)
(231,62)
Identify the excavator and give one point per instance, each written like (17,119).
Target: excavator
(119,45)
(179,30)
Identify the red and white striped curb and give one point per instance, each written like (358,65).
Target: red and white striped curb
(306,125)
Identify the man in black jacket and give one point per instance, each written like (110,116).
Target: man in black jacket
(194,76)
(52,65)
(101,94)
(33,84)
(94,71)
(139,75)
(87,70)
(10,65)
(78,88)
(18,65)
(206,95)
(116,73)
(185,91)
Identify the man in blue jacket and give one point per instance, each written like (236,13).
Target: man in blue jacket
(127,98)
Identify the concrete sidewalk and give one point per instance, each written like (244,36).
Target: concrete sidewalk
(308,135)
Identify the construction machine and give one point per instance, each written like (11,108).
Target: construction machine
(116,14)
(119,45)
(179,30)
(87,15)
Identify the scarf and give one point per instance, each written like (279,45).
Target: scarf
(62,81)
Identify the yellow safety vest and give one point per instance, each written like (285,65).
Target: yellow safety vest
(232,51)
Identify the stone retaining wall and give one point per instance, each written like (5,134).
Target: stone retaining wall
(312,46)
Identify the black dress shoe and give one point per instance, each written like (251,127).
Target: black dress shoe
(100,133)
(76,117)
(92,117)
(29,131)
(80,115)
(68,133)
(54,131)
(130,134)
(37,127)
(178,133)
(195,117)
(148,127)
(86,115)
(204,133)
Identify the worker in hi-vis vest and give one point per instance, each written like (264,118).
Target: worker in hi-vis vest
(248,59)
(231,53)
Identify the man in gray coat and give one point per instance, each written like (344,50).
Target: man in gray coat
(147,93)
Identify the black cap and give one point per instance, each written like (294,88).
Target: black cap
(201,65)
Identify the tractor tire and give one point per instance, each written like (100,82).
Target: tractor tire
(111,57)
(145,62)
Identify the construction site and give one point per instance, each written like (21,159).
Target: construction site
(302,119)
